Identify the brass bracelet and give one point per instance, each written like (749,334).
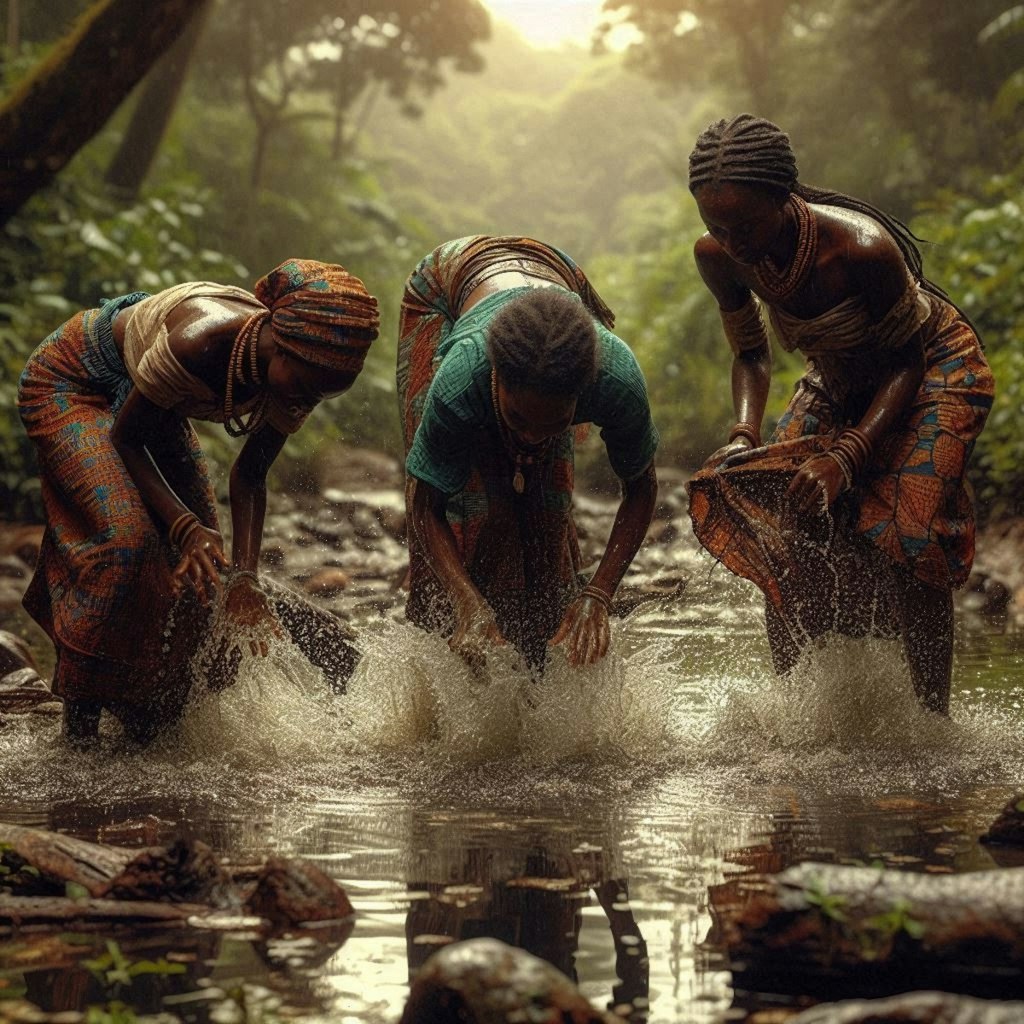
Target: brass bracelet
(747,430)
(173,532)
(842,460)
(598,595)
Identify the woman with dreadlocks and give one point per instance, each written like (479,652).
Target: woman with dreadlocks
(131,516)
(503,348)
(880,428)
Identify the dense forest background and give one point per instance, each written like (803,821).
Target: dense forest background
(368,132)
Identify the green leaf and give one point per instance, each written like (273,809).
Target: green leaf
(76,891)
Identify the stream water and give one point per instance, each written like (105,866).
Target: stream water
(593,818)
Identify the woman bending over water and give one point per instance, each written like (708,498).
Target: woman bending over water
(504,348)
(879,430)
(131,516)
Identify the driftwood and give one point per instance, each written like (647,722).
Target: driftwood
(914,1008)
(56,878)
(835,931)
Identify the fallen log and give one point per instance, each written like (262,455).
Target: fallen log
(821,929)
(914,1008)
(52,877)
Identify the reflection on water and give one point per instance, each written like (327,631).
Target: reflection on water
(590,818)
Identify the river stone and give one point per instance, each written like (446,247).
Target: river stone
(14,653)
(328,582)
(1009,826)
(485,981)
(290,892)
(914,1008)
(24,690)
(13,567)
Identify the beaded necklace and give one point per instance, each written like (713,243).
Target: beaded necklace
(522,458)
(243,351)
(781,284)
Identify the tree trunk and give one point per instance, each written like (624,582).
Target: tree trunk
(152,114)
(71,94)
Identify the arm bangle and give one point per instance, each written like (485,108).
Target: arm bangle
(598,595)
(174,533)
(747,430)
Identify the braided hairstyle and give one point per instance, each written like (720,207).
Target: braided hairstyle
(749,150)
(544,341)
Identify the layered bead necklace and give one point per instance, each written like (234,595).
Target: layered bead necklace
(243,368)
(521,458)
(781,284)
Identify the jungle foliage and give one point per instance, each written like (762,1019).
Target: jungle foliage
(368,132)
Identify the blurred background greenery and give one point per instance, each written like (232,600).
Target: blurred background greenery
(368,132)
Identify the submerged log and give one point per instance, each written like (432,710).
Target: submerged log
(914,1008)
(485,980)
(1008,828)
(53,877)
(828,930)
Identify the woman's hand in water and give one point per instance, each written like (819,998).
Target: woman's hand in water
(202,558)
(817,484)
(475,631)
(248,609)
(584,631)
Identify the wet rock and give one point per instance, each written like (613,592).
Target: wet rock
(914,1008)
(12,567)
(488,982)
(1008,828)
(22,541)
(291,892)
(24,691)
(327,582)
(273,555)
(823,929)
(663,532)
(14,653)
(986,595)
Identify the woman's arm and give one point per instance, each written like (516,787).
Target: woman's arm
(248,491)
(585,628)
(752,367)
(474,619)
(138,422)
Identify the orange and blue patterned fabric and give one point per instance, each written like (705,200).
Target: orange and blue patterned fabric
(912,503)
(100,588)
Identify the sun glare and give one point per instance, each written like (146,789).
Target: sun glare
(554,23)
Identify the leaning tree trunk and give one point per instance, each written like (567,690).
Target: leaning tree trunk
(152,114)
(71,94)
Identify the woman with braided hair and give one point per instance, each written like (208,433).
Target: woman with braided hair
(504,347)
(880,428)
(131,516)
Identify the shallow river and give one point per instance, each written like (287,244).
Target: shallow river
(588,819)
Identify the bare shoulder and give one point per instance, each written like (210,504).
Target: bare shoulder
(860,239)
(201,329)
(718,272)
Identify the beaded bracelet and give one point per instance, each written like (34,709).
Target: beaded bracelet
(747,430)
(598,595)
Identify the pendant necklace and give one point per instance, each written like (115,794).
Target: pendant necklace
(511,447)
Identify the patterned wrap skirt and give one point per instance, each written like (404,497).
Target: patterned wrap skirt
(521,551)
(101,589)
(912,508)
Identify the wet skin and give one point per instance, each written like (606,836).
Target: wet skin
(855,257)
(201,333)
(532,419)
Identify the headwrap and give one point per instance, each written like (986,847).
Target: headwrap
(320,313)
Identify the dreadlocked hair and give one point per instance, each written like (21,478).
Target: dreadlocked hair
(545,341)
(753,151)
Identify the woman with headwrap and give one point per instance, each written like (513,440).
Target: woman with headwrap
(504,347)
(855,517)
(131,516)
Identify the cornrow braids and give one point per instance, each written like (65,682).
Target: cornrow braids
(545,341)
(753,151)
